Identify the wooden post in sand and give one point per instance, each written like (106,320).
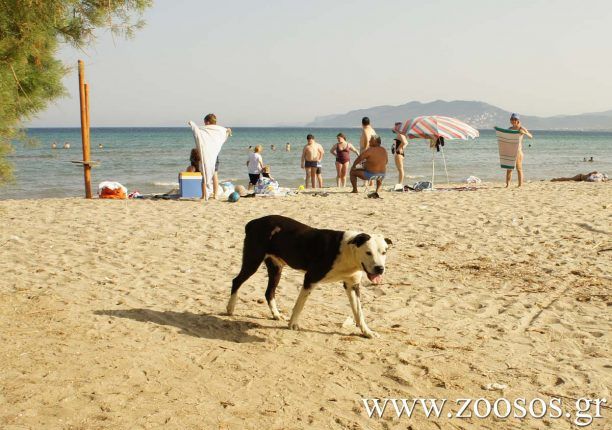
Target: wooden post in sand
(84,102)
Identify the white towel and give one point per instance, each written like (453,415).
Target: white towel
(209,141)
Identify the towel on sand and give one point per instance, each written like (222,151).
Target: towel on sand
(509,142)
(208,140)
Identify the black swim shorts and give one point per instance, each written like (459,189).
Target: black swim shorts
(253,178)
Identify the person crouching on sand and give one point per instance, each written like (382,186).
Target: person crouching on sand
(311,157)
(255,165)
(516,125)
(375,161)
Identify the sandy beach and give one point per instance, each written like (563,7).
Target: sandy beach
(112,312)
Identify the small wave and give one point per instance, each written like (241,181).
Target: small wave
(31,156)
(166,184)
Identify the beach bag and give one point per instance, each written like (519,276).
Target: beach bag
(112,190)
(266,186)
(422,186)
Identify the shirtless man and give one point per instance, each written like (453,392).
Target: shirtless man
(375,164)
(311,155)
(366,134)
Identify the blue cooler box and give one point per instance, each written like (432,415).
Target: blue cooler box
(190,184)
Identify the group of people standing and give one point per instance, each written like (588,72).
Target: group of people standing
(370,164)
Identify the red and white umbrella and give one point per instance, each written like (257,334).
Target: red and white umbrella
(433,126)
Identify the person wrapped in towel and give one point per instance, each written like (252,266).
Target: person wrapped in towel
(209,140)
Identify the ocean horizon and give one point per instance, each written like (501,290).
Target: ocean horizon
(148,159)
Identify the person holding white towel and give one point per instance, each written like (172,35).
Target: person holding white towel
(209,140)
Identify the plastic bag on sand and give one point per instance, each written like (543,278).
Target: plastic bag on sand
(112,190)
(472,180)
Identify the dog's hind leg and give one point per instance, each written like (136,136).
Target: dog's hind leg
(252,256)
(274,275)
(299,303)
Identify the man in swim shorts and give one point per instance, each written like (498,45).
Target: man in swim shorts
(375,161)
(311,156)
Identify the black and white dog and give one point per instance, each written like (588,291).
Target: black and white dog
(325,255)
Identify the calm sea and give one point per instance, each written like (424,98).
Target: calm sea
(149,159)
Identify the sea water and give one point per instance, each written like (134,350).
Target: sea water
(149,159)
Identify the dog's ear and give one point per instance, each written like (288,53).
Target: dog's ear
(389,241)
(359,240)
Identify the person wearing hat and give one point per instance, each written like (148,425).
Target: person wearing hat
(515,122)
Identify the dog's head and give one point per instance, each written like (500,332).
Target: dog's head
(371,253)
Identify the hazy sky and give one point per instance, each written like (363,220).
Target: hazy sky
(273,62)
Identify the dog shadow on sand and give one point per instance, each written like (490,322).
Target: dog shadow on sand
(197,325)
(206,326)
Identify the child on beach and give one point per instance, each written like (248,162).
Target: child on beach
(266,173)
(320,165)
(255,166)
(311,157)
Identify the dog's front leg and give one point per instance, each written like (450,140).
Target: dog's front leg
(360,317)
(299,304)
(348,289)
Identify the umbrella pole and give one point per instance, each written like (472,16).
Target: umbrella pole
(444,158)
(433,167)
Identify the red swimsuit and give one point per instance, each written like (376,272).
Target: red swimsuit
(343,155)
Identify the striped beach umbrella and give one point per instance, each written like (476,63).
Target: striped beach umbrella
(433,126)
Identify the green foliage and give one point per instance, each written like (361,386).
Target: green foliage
(30,33)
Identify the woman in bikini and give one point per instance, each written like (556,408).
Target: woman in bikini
(515,122)
(397,150)
(342,152)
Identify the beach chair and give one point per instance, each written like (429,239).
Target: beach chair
(509,142)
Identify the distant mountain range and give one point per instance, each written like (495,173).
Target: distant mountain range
(478,114)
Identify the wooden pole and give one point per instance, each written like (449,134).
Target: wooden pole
(84,103)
